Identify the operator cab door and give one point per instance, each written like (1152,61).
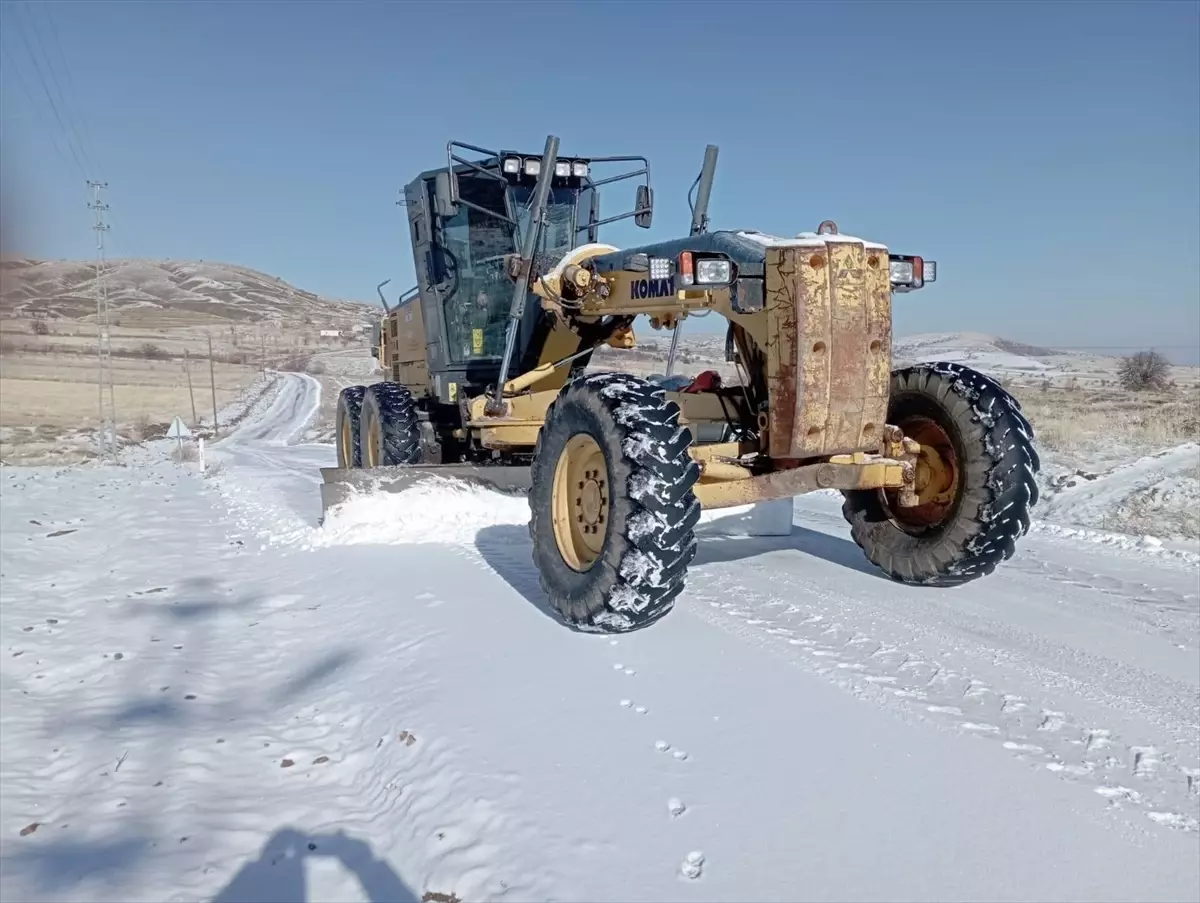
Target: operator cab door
(473,246)
(465,295)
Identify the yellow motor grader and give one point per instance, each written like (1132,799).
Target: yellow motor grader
(487,378)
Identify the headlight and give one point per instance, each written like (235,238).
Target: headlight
(901,272)
(533,167)
(701,272)
(908,273)
(714,272)
(562,169)
(579,170)
(512,165)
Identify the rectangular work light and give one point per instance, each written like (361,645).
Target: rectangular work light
(908,273)
(705,270)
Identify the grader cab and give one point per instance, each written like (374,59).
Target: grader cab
(486,365)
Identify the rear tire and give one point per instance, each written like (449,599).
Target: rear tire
(990,485)
(346,423)
(611,455)
(390,429)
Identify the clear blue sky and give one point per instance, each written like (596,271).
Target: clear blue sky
(1046,154)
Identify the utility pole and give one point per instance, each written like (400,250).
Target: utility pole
(191,395)
(108,422)
(263,354)
(212,381)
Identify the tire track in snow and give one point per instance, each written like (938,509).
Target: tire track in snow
(1160,779)
(1125,773)
(1146,776)
(286,417)
(262,454)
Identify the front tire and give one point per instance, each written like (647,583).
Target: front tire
(613,513)
(390,428)
(976,480)
(346,424)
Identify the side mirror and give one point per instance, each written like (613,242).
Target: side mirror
(644,205)
(442,196)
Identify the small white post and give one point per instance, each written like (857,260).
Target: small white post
(200,448)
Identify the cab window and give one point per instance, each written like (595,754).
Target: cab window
(474,245)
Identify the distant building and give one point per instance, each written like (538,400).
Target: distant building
(331,333)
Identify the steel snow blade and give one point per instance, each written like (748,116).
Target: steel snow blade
(339,484)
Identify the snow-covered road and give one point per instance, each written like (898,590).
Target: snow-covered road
(208,697)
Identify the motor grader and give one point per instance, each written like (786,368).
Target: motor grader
(487,377)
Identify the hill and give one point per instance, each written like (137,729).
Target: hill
(167,317)
(167,294)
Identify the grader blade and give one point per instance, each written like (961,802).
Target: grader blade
(339,484)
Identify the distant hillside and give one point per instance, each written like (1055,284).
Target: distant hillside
(1002,358)
(166,293)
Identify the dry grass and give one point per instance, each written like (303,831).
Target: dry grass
(48,372)
(49,397)
(1088,428)
(61,390)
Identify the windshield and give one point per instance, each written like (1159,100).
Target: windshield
(477,311)
(558,226)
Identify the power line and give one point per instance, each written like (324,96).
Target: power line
(108,420)
(20,79)
(53,106)
(74,111)
(62,97)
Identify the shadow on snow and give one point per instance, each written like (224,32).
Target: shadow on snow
(508,551)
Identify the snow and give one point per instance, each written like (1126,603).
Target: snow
(807,240)
(206,696)
(763,519)
(1158,485)
(433,511)
(972,349)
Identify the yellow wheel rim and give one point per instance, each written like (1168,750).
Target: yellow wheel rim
(581,502)
(373,443)
(937,476)
(346,452)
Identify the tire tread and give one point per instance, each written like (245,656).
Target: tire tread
(1000,490)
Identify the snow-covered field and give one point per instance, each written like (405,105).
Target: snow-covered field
(207,696)
(1017,361)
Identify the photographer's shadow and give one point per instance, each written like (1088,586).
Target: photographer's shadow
(278,875)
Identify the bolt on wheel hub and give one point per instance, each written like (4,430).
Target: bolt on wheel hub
(591,501)
(936,476)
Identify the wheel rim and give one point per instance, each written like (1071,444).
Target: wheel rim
(373,442)
(581,502)
(937,481)
(345,452)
